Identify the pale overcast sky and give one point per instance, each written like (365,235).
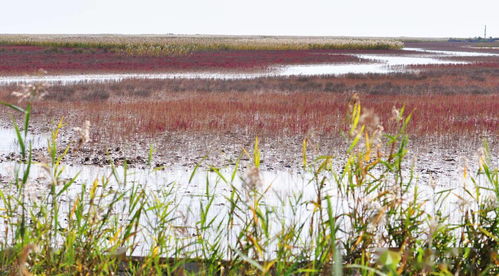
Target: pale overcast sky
(423,18)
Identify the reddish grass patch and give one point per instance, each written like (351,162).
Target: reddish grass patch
(436,80)
(27,59)
(448,100)
(273,113)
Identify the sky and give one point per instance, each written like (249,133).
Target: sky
(379,18)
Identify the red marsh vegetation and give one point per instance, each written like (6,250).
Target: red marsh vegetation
(27,59)
(275,113)
(444,105)
(449,100)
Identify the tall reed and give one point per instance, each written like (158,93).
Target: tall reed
(172,45)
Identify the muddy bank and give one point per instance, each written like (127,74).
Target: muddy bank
(431,156)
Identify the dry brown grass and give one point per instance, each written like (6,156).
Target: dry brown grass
(180,45)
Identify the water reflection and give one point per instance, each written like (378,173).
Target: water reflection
(9,142)
(390,60)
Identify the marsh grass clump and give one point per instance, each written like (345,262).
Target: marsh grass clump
(97,95)
(140,109)
(372,217)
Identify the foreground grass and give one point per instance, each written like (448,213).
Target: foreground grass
(181,45)
(370,218)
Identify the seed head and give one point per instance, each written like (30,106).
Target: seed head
(253,180)
(396,114)
(83,133)
(31,92)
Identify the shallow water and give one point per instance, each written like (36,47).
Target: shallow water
(287,193)
(177,182)
(9,142)
(453,53)
(400,61)
(381,64)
